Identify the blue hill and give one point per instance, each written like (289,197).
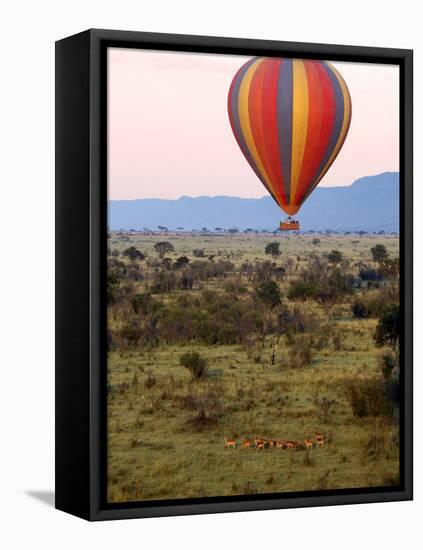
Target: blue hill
(369,204)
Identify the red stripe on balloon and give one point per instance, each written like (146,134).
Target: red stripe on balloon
(270,124)
(255,111)
(311,156)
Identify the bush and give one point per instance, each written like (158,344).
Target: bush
(335,256)
(360,310)
(379,253)
(388,328)
(300,353)
(196,364)
(206,403)
(300,290)
(368,398)
(369,305)
(273,249)
(133,254)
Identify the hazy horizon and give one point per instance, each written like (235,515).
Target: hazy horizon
(263,196)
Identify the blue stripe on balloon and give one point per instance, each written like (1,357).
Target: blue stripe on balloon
(284,103)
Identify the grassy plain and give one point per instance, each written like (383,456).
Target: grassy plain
(156,450)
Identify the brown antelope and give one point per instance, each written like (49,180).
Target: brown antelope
(246,444)
(320,439)
(230,443)
(308,443)
(281,444)
(291,445)
(260,445)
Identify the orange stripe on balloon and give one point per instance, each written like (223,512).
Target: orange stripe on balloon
(299,122)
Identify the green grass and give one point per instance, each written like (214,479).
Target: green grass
(156,450)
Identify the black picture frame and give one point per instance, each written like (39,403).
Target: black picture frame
(81,228)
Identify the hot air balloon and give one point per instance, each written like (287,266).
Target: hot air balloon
(290,118)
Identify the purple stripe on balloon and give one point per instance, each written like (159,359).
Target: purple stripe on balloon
(284,105)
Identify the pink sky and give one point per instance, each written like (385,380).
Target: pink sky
(169,133)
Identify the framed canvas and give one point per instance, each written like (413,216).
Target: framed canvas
(234,274)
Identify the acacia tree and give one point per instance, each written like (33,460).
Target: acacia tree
(163,247)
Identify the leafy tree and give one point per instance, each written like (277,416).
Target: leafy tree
(315,242)
(335,256)
(112,286)
(379,253)
(195,363)
(162,248)
(198,252)
(387,331)
(133,254)
(273,249)
(269,294)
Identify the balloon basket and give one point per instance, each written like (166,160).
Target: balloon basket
(288,225)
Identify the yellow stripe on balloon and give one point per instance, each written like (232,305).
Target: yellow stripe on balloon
(244,119)
(299,122)
(345,123)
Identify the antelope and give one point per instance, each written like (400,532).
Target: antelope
(230,443)
(308,443)
(320,440)
(260,445)
(281,444)
(246,444)
(291,445)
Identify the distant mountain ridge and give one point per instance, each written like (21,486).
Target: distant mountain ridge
(370,204)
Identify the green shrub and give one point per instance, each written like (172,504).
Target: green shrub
(368,398)
(196,364)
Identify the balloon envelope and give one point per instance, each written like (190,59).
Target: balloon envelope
(290,118)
